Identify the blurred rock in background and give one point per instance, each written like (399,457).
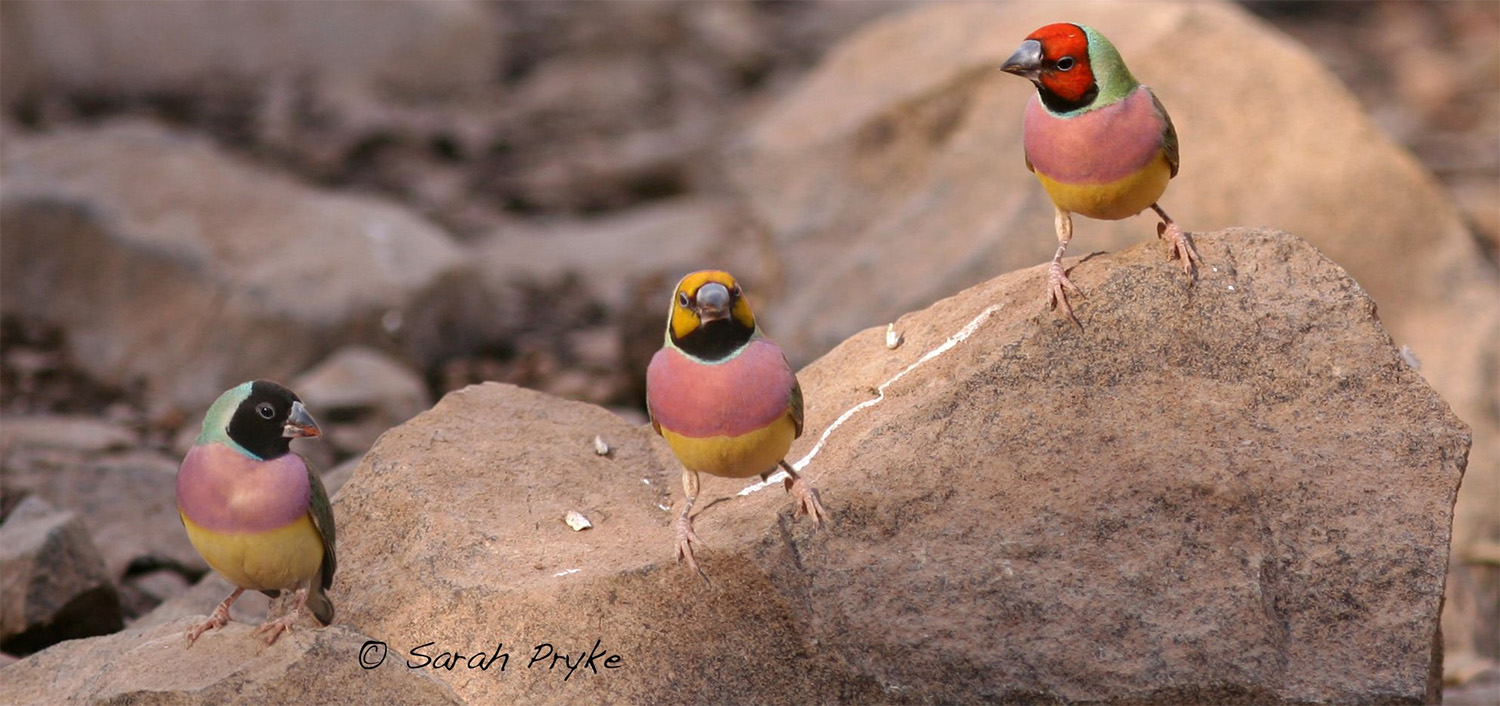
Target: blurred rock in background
(195,194)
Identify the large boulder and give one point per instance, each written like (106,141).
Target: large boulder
(167,261)
(154,665)
(1230,490)
(52,580)
(893,175)
(128,502)
(103,47)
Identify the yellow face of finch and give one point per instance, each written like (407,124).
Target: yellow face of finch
(723,396)
(687,311)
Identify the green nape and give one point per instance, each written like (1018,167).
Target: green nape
(216,422)
(1114,80)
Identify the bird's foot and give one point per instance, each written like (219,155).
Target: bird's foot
(290,610)
(1181,245)
(217,619)
(686,538)
(272,629)
(807,499)
(1058,286)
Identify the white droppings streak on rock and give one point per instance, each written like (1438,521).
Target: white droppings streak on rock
(565,572)
(957,338)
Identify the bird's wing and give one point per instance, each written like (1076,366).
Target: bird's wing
(1169,135)
(655,425)
(321,511)
(794,406)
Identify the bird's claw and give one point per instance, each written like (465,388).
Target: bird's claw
(217,619)
(807,497)
(272,629)
(289,605)
(1058,286)
(1181,245)
(686,538)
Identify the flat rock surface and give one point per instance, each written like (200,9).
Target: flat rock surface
(154,665)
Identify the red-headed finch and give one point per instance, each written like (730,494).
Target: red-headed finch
(1099,141)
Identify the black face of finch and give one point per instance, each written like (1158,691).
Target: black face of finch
(718,334)
(268,419)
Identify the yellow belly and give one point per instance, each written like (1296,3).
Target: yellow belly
(1114,200)
(742,456)
(279,559)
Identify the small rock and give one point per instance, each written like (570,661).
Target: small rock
(892,337)
(357,393)
(576,520)
(53,585)
(142,594)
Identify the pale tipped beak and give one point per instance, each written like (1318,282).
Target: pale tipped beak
(712,302)
(300,424)
(1026,62)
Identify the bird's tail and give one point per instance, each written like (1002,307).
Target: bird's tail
(321,607)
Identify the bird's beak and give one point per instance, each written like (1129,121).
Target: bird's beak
(713,302)
(1026,62)
(300,424)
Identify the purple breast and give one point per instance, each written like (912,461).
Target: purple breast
(1096,147)
(222,490)
(728,399)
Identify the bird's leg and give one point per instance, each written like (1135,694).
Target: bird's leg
(216,619)
(686,537)
(1058,283)
(806,494)
(273,627)
(1178,240)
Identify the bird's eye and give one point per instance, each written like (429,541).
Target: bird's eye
(734,292)
(682,300)
(265,410)
(1065,63)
